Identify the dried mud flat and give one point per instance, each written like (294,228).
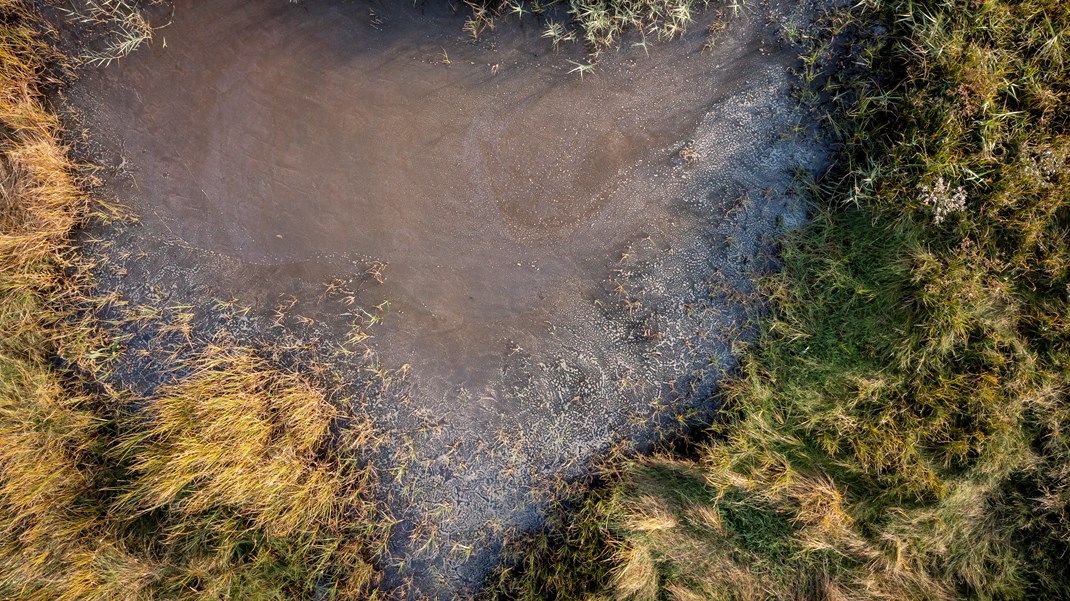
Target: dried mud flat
(508,268)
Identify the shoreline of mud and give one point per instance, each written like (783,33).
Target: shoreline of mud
(547,414)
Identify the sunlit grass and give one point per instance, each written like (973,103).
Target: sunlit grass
(235,481)
(123,19)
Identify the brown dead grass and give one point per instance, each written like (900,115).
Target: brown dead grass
(238,480)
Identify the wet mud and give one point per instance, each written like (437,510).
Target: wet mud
(511,267)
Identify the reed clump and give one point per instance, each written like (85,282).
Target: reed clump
(236,480)
(898,429)
(597,23)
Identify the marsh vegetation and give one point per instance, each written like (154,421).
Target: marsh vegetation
(897,430)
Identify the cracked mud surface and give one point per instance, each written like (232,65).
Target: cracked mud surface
(509,268)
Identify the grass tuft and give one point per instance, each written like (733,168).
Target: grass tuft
(236,481)
(598,23)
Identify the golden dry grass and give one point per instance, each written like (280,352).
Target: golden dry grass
(237,480)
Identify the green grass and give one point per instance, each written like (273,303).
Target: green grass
(236,481)
(898,430)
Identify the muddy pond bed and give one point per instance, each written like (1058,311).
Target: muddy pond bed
(509,267)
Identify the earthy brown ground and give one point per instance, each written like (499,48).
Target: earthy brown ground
(557,275)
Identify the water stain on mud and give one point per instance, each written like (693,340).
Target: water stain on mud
(555,274)
(275,134)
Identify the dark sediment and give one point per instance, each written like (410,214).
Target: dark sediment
(541,271)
